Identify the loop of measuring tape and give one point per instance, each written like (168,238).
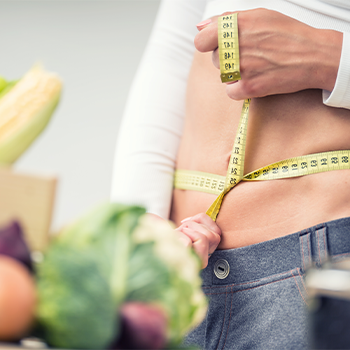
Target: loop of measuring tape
(288,168)
(199,181)
(235,170)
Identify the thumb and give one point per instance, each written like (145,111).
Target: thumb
(207,38)
(236,90)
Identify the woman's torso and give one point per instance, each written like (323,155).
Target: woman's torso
(280,127)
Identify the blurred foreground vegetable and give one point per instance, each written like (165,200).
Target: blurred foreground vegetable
(143,326)
(12,244)
(26,107)
(112,256)
(17,299)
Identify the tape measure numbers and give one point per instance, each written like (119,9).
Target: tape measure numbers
(292,167)
(228,48)
(288,168)
(199,181)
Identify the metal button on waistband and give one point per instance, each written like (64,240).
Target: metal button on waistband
(221,269)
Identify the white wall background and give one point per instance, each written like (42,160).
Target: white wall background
(95,46)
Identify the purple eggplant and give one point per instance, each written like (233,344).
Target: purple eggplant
(12,244)
(143,326)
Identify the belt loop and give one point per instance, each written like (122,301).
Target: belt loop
(305,250)
(321,246)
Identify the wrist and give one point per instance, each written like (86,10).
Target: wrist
(327,58)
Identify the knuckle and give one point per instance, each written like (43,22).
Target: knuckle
(179,230)
(204,245)
(204,239)
(250,88)
(202,216)
(186,233)
(189,224)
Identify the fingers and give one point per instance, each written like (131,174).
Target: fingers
(278,54)
(211,238)
(204,219)
(186,240)
(207,38)
(200,244)
(240,90)
(202,233)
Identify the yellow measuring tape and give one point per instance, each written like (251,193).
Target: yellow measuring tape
(292,167)
(228,48)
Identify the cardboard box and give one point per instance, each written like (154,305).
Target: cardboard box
(29,199)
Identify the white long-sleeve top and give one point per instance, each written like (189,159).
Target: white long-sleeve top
(151,129)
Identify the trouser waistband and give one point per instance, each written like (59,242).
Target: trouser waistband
(312,246)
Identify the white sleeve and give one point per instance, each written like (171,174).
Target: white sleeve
(340,95)
(152,123)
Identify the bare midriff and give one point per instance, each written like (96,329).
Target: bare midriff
(280,127)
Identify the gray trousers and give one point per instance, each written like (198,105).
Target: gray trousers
(257,295)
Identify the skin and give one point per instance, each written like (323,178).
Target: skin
(202,233)
(285,64)
(278,54)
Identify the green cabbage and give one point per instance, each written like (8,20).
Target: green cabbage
(115,254)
